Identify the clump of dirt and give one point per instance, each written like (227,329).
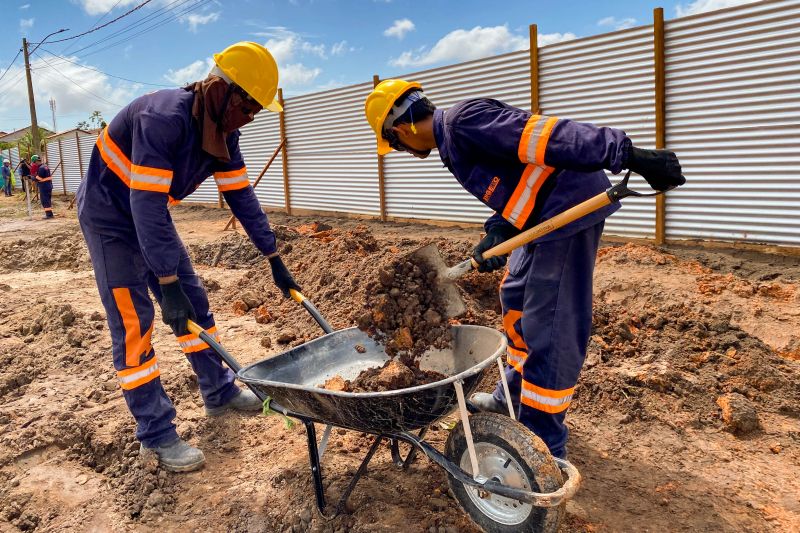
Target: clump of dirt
(61,250)
(393,375)
(238,251)
(405,310)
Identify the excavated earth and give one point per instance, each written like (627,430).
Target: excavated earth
(686,416)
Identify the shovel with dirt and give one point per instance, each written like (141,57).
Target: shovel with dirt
(446,276)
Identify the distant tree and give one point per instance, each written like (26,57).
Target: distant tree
(96,120)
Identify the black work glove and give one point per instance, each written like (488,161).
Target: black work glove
(660,168)
(176,309)
(283,278)
(494,236)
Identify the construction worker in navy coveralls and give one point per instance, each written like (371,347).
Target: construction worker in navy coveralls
(44,181)
(155,152)
(527,168)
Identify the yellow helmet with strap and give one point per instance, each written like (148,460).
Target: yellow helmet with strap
(250,66)
(380,102)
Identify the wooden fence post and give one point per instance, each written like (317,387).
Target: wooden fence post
(61,161)
(285,160)
(381,176)
(534,53)
(660,112)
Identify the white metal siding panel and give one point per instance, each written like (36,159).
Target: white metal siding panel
(69,164)
(258,142)
(733,117)
(331,152)
(87,146)
(423,188)
(52,161)
(607,80)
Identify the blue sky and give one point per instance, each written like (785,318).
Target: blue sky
(319,44)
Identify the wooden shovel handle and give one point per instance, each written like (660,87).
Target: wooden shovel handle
(562,219)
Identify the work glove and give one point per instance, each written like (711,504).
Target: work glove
(494,236)
(660,168)
(176,309)
(283,278)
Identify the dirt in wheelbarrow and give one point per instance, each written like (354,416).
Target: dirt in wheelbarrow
(685,416)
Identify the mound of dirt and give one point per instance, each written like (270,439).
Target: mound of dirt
(405,311)
(393,375)
(61,250)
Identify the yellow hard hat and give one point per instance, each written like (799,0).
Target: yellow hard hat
(250,66)
(380,102)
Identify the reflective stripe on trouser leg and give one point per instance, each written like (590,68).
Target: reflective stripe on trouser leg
(556,324)
(214,379)
(121,273)
(46,195)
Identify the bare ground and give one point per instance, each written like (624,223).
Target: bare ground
(679,334)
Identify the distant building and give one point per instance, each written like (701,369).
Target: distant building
(15,136)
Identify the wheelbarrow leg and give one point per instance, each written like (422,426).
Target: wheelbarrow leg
(316,467)
(398,459)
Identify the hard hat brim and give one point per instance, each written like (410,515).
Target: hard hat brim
(274,106)
(383,147)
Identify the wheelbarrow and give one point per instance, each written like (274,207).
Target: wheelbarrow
(501,474)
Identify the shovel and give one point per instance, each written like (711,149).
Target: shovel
(446,276)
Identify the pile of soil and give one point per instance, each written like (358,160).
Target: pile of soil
(405,310)
(65,250)
(393,375)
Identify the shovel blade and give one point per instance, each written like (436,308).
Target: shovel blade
(454,303)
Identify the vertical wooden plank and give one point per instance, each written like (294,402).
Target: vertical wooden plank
(661,112)
(284,158)
(534,52)
(80,157)
(381,176)
(61,160)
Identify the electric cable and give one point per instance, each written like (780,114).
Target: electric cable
(11,64)
(102,26)
(102,72)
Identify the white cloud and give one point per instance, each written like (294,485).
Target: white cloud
(464,45)
(287,46)
(25,24)
(399,28)
(701,6)
(193,20)
(24,6)
(194,71)
(341,48)
(296,75)
(99,7)
(617,24)
(74,103)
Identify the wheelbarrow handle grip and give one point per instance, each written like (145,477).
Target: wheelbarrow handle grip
(298,297)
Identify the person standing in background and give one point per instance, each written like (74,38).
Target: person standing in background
(5,177)
(8,178)
(45,183)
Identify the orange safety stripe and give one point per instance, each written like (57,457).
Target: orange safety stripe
(144,186)
(510,318)
(130,378)
(192,343)
(525,139)
(541,146)
(516,358)
(151,171)
(531,203)
(231,173)
(135,344)
(522,201)
(547,400)
(232,180)
(104,140)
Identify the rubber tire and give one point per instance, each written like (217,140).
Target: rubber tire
(528,450)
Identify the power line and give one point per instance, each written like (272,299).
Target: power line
(101,26)
(79,86)
(98,21)
(11,64)
(101,72)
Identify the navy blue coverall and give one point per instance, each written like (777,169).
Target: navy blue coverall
(45,184)
(148,157)
(529,168)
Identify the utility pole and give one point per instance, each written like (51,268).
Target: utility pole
(31,102)
(53,111)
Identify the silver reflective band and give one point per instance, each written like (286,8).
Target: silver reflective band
(545,399)
(235,179)
(147,178)
(111,154)
(198,341)
(130,378)
(526,194)
(534,140)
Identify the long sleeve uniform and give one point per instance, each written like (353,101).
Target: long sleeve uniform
(148,157)
(525,167)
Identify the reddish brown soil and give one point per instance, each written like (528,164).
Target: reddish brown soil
(686,416)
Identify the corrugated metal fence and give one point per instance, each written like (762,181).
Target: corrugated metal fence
(732,114)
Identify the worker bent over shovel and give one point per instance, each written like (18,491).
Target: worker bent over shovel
(156,151)
(527,168)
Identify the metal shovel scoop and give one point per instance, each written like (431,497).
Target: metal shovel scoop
(446,276)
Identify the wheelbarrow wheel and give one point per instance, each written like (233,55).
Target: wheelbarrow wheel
(511,454)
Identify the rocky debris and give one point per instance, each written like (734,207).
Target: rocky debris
(738,413)
(49,318)
(210,284)
(404,309)
(60,250)
(393,375)
(286,336)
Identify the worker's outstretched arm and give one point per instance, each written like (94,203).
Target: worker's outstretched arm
(153,142)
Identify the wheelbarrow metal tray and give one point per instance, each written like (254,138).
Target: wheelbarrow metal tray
(294,379)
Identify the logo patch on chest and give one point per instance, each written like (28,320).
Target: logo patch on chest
(490,189)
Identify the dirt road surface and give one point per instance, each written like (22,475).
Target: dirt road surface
(687,415)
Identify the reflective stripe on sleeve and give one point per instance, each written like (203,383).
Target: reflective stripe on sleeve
(131,378)
(113,157)
(150,178)
(533,142)
(191,343)
(232,179)
(547,400)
